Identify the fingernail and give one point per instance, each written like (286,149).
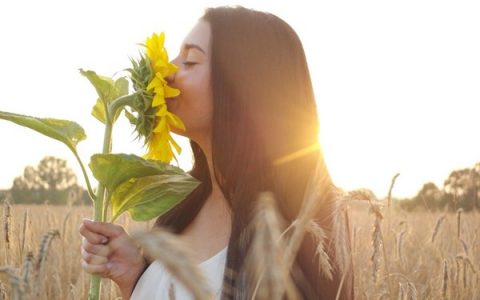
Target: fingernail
(88,221)
(104,240)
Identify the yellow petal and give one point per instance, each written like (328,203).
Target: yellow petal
(172,68)
(154,83)
(166,155)
(158,100)
(177,147)
(159,148)
(154,44)
(175,121)
(161,126)
(171,92)
(160,66)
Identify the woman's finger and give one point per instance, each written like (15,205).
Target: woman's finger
(102,269)
(91,236)
(93,259)
(97,249)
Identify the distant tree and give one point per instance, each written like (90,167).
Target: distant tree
(476,185)
(431,196)
(457,182)
(51,181)
(462,188)
(55,174)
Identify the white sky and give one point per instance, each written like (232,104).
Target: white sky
(397,82)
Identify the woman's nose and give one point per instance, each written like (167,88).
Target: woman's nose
(171,78)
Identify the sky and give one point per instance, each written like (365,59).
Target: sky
(397,83)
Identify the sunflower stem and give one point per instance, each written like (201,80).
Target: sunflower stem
(119,103)
(99,204)
(95,284)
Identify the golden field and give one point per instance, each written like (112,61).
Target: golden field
(415,255)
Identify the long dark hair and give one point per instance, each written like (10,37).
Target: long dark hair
(264,111)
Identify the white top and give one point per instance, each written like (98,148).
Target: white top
(156,280)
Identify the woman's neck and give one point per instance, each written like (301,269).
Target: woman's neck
(209,232)
(206,146)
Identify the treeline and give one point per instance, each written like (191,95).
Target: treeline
(460,190)
(52,181)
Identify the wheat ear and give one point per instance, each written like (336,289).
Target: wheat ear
(175,256)
(264,265)
(437,227)
(42,256)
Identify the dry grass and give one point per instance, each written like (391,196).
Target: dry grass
(427,255)
(422,251)
(43,253)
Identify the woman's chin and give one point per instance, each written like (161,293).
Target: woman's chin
(171,104)
(178,131)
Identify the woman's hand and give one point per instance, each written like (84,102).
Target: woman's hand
(107,250)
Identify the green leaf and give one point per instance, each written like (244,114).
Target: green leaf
(121,86)
(98,111)
(67,132)
(103,85)
(149,197)
(114,169)
(107,90)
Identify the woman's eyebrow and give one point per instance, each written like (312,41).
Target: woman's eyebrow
(194,46)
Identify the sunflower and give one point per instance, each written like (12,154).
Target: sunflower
(153,121)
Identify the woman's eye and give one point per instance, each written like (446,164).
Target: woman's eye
(189,63)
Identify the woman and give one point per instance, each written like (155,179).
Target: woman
(248,105)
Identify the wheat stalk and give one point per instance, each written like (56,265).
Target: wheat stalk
(266,272)
(459,222)
(399,246)
(24,232)
(42,256)
(445,280)
(465,247)
(313,199)
(341,229)
(27,270)
(402,293)
(391,188)
(15,281)
(411,291)
(457,273)
(470,264)
(466,262)
(323,258)
(3,291)
(376,242)
(7,221)
(175,256)
(437,227)
(71,291)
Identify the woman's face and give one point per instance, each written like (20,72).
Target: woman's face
(194,105)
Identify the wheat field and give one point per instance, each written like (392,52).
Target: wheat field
(414,255)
